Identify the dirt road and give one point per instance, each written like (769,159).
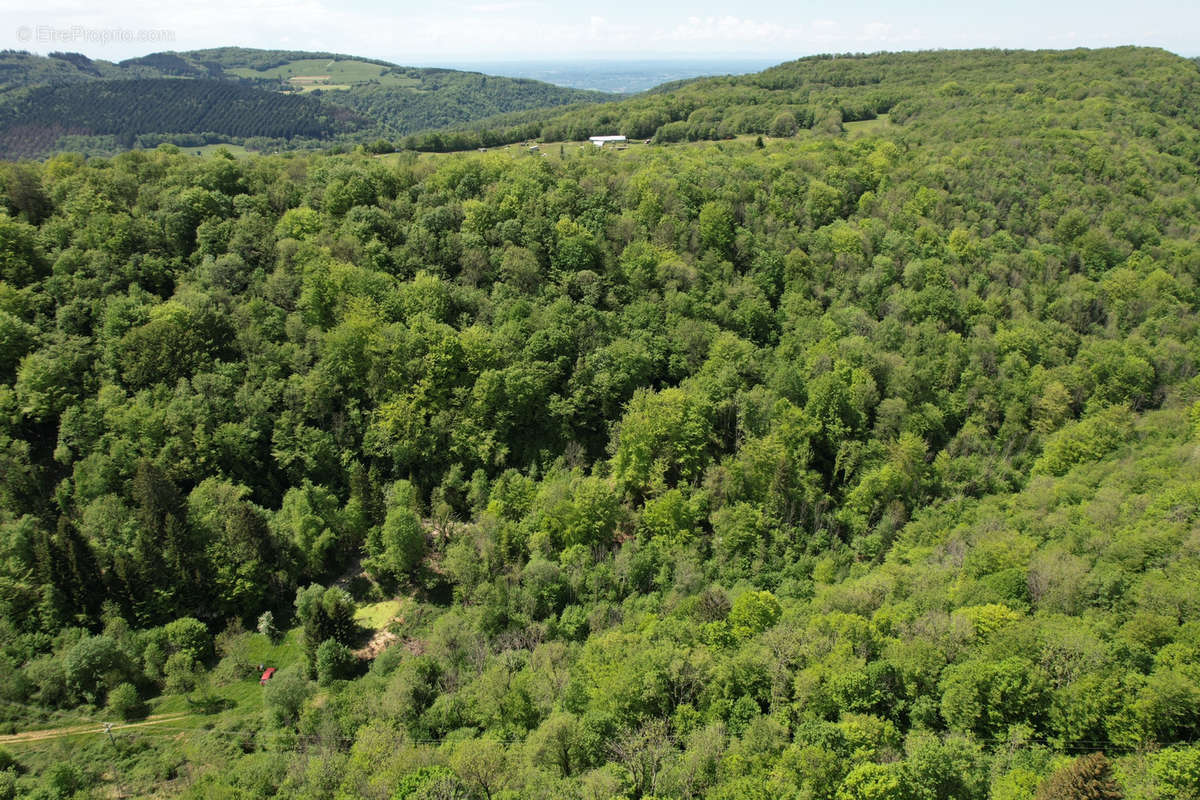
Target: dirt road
(91,727)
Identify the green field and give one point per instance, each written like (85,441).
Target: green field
(215,702)
(244,694)
(376,615)
(879,126)
(322,73)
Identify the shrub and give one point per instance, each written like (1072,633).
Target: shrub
(189,635)
(180,673)
(125,704)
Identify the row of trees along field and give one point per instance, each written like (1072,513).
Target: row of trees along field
(846,467)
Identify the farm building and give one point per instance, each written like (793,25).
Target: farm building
(600,141)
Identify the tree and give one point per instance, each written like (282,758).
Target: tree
(397,548)
(520,267)
(17,338)
(284,696)
(311,518)
(429,783)
(125,704)
(784,124)
(298,223)
(643,753)
(165,556)
(1086,440)
(986,697)
(664,439)
(575,510)
(20,260)
(324,613)
(53,378)
(189,635)
(334,662)
(1086,778)
(483,763)
(65,779)
(753,612)
(23,193)
(266,627)
(715,227)
(946,769)
(740,535)
(1177,772)
(872,781)
(575,248)
(554,744)
(241,557)
(93,666)
(823,204)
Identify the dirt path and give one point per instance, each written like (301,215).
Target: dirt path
(92,727)
(380,641)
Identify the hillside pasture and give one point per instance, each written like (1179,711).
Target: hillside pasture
(321,73)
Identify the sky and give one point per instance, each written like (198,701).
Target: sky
(409,32)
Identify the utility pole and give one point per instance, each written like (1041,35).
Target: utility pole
(108,726)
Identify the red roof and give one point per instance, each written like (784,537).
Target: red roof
(266,676)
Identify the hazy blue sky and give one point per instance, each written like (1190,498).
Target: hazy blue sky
(409,32)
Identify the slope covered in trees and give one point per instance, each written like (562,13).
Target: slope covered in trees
(1070,89)
(43,99)
(130,108)
(841,467)
(400,99)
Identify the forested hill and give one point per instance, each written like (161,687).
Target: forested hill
(273,99)
(126,109)
(858,463)
(400,99)
(825,92)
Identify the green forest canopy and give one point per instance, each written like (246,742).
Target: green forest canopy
(828,468)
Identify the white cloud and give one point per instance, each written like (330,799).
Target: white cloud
(729,30)
(499,8)
(885,33)
(404,30)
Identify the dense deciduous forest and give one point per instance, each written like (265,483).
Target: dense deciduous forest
(852,464)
